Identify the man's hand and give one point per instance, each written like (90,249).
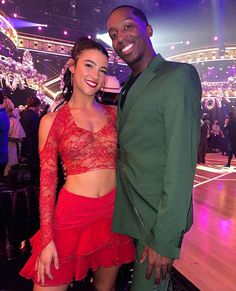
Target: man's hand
(161,265)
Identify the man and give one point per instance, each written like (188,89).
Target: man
(4,130)
(204,135)
(158,134)
(30,123)
(231,132)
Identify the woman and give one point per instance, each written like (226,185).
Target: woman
(76,235)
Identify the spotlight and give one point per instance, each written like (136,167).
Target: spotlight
(105,38)
(65,32)
(15,15)
(3,1)
(40,28)
(187,42)
(216,38)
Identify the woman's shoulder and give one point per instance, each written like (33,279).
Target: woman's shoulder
(48,119)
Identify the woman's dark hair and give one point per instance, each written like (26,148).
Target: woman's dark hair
(80,45)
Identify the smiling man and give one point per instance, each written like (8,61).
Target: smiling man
(158,133)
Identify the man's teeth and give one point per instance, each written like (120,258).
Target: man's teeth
(127,47)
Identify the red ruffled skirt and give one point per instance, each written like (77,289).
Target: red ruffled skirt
(83,238)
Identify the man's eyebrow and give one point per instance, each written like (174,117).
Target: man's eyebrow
(128,18)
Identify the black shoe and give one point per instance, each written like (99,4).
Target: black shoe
(227,166)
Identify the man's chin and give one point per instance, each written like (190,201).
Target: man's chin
(129,58)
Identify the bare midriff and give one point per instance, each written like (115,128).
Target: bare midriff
(95,183)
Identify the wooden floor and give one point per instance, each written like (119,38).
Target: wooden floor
(208,257)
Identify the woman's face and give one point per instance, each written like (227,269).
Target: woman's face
(89,72)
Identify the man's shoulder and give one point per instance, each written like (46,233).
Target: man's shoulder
(178,66)
(177,70)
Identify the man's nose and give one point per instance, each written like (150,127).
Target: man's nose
(121,36)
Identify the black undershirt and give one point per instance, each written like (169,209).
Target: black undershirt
(128,85)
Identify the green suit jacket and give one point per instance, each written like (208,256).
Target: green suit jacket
(158,135)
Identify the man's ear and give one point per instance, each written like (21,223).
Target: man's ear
(149,30)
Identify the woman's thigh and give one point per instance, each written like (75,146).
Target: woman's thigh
(105,278)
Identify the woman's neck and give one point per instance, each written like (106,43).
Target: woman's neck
(80,103)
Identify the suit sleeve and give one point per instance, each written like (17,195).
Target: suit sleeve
(182,129)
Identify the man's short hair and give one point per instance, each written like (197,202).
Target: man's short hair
(136,11)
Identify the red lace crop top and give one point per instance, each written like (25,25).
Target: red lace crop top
(80,150)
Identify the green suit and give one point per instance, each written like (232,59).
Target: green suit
(158,135)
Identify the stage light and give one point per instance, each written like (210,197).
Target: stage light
(105,38)
(172,47)
(3,1)
(187,42)
(65,32)
(15,15)
(89,36)
(216,38)
(40,28)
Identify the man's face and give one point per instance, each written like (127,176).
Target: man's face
(130,36)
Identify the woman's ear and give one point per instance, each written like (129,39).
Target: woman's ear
(71,65)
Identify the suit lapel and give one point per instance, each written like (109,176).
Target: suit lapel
(136,90)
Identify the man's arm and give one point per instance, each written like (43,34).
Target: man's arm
(182,128)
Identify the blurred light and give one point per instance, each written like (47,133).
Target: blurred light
(3,1)
(19,23)
(39,27)
(215,37)
(172,47)
(187,42)
(105,38)
(15,15)
(89,36)
(65,32)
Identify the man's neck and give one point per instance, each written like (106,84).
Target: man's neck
(142,65)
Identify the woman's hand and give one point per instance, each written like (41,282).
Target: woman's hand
(43,263)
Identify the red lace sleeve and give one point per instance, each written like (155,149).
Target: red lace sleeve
(48,184)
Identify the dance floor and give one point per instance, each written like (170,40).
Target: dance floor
(208,257)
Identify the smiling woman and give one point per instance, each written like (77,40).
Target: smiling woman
(75,234)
